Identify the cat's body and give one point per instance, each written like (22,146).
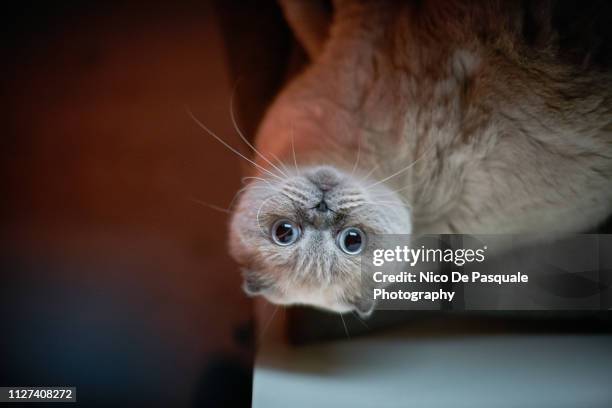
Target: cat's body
(470,114)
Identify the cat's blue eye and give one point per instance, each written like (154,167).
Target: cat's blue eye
(284,232)
(351,240)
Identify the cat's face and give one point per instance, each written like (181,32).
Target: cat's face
(299,238)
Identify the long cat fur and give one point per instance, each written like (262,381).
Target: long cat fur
(479,117)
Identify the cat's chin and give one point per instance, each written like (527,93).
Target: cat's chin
(328,307)
(321,300)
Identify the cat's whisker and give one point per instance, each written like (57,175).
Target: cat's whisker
(211,206)
(384,196)
(244,139)
(393,205)
(296,200)
(360,319)
(291,198)
(397,173)
(349,207)
(242,190)
(388,202)
(349,203)
(224,143)
(358,155)
(221,209)
(296,193)
(371,172)
(271,184)
(392,192)
(249,187)
(265,327)
(275,157)
(258,213)
(297,170)
(346,197)
(403,204)
(344,324)
(344,204)
(255,178)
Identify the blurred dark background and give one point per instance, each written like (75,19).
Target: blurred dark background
(113,279)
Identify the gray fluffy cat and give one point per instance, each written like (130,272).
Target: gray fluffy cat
(423,117)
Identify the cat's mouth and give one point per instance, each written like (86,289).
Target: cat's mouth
(323,207)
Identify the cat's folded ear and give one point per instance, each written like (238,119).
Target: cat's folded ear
(252,286)
(310,21)
(364,307)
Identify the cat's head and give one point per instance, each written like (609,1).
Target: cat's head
(299,238)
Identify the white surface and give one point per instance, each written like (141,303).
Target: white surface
(472,372)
